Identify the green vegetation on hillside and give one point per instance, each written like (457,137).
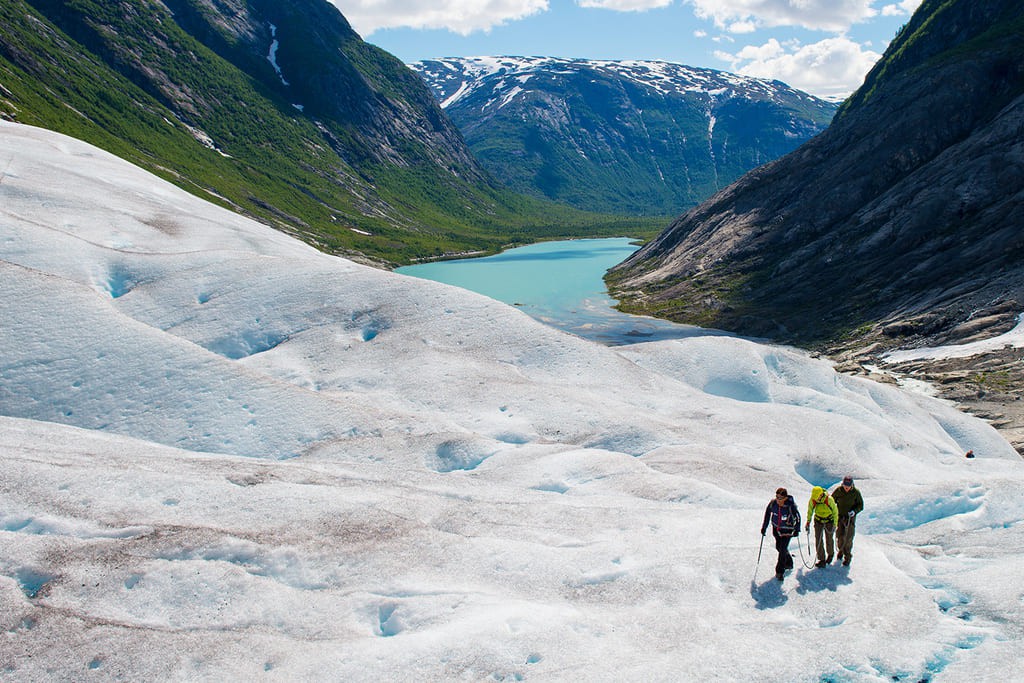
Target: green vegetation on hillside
(933,35)
(132,81)
(596,136)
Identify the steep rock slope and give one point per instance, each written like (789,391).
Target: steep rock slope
(637,137)
(901,223)
(278,110)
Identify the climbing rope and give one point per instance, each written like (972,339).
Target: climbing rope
(801,547)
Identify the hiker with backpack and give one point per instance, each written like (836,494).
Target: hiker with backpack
(785,520)
(849,504)
(822,509)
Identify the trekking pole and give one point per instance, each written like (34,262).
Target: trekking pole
(758,563)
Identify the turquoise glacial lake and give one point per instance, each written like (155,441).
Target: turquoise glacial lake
(560,284)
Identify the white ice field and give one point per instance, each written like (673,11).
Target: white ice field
(226,456)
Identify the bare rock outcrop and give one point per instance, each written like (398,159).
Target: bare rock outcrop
(899,223)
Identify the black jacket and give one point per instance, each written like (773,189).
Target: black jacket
(785,516)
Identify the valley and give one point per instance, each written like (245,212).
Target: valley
(240,442)
(899,227)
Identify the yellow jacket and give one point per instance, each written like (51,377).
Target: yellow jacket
(821,507)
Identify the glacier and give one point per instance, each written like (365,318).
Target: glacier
(228,456)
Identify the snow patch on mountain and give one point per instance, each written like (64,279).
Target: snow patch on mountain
(459,76)
(272,54)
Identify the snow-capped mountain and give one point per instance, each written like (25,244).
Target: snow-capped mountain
(626,136)
(228,456)
(454,78)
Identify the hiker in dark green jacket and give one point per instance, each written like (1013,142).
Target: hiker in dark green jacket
(849,503)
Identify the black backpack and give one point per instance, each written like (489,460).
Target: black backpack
(786,519)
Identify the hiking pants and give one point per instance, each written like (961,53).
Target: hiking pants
(785,560)
(823,529)
(845,531)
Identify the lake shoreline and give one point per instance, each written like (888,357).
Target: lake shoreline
(561,284)
(483,253)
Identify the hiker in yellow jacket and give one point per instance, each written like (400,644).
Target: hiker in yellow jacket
(822,509)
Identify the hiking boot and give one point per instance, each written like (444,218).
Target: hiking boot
(779,575)
(821,564)
(828,560)
(846,562)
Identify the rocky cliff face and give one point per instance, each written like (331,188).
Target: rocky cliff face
(629,137)
(902,223)
(306,51)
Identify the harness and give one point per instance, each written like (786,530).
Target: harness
(818,503)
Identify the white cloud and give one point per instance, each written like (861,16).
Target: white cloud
(831,68)
(742,27)
(903,8)
(459,16)
(625,5)
(823,15)
(761,53)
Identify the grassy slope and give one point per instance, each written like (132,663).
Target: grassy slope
(272,162)
(921,43)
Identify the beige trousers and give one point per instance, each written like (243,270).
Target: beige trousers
(823,532)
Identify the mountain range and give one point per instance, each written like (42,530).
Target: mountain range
(896,226)
(900,226)
(279,111)
(631,137)
(901,223)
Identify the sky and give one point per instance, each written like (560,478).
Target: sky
(824,47)
(228,456)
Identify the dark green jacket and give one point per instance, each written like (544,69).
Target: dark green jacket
(848,500)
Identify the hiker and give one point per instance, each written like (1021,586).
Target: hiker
(785,519)
(849,503)
(822,509)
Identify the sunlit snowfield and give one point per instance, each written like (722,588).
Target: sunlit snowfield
(228,456)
